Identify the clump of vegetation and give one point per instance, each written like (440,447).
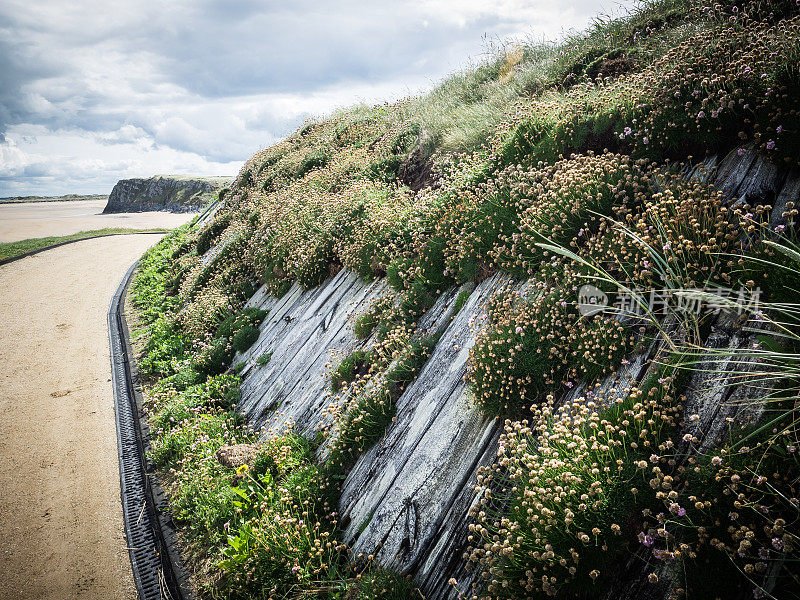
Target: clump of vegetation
(165,346)
(353,365)
(364,418)
(209,234)
(569,480)
(535,340)
(236,333)
(366,322)
(460,301)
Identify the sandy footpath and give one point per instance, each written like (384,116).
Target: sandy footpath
(45,219)
(61,534)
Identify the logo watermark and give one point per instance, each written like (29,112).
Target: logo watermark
(591,300)
(637,303)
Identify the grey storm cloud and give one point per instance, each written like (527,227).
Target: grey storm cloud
(212,81)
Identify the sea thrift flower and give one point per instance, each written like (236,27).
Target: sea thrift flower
(646,539)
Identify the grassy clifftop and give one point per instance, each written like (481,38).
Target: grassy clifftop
(560,164)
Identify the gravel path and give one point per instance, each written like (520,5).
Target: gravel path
(61,534)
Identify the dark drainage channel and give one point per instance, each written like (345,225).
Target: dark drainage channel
(152,544)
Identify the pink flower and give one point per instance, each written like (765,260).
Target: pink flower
(716,461)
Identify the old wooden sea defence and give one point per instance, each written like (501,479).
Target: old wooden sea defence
(407,499)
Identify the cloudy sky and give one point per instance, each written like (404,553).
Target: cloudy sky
(95,91)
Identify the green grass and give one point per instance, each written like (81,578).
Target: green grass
(11,249)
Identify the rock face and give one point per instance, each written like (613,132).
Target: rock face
(407,499)
(173,194)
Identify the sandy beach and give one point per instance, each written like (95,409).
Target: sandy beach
(61,533)
(43,219)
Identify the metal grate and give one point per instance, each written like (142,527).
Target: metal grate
(156,566)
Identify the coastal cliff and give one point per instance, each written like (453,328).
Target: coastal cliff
(164,193)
